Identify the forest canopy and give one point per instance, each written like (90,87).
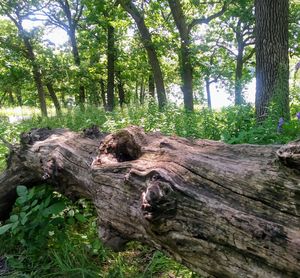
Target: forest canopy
(127,52)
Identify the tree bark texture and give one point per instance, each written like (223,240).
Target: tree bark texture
(102,92)
(186,68)
(146,39)
(222,210)
(110,67)
(53,98)
(238,86)
(121,91)
(11,98)
(208,94)
(272,62)
(36,70)
(37,76)
(19,96)
(71,31)
(151,86)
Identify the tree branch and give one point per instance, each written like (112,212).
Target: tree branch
(206,20)
(228,49)
(249,56)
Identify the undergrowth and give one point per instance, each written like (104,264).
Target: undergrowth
(49,236)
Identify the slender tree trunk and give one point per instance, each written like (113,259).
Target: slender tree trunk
(37,76)
(186,68)
(11,98)
(151,52)
(136,97)
(151,86)
(272,62)
(110,67)
(207,85)
(121,93)
(53,98)
(142,91)
(187,75)
(19,95)
(102,92)
(36,71)
(41,93)
(238,89)
(77,62)
(72,25)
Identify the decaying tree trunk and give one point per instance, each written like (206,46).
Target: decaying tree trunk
(222,210)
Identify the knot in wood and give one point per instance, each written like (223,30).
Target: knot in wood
(159,200)
(289,154)
(92,132)
(34,135)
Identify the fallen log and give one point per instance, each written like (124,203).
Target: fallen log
(222,210)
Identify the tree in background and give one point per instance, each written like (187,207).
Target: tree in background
(184,29)
(138,17)
(238,22)
(272,61)
(14,69)
(17,13)
(66,15)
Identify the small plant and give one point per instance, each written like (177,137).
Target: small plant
(36,216)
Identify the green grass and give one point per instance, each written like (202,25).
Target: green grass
(70,248)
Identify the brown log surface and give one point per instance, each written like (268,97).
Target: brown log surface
(222,210)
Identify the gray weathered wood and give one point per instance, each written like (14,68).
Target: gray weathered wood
(222,210)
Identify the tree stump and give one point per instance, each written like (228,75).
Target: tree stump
(222,210)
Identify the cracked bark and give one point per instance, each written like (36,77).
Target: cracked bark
(222,210)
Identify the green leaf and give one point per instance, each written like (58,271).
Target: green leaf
(71,221)
(80,217)
(21,200)
(14,218)
(34,203)
(5,228)
(22,190)
(54,209)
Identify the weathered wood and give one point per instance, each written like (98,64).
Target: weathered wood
(222,210)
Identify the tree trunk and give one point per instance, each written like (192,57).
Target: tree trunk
(186,68)
(238,88)
(102,91)
(272,62)
(53,98)
(11,98)
(151,86)
(129,7)
(19,96)
(207,85)
(136,96)
(222,210)
(36,71)
(110,67)
(121,91)
(142,91)
(187,75)
(71,31)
